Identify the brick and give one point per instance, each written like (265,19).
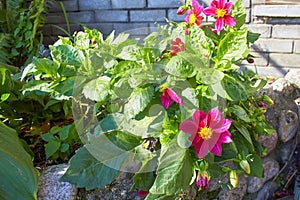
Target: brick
(263,29)
(132,28)
(258,2)
(277,10)
(284,60)
(273,45)
(263,71)
(286,31)
(55,18)
(83,16)
(297,46)
(104,28)
(73,28)
(172,15)
(46,30)
(260,59)
(121,4)
(165,3)
(147,15)
(68,5)
(49,40)
(111,16)
(94,4)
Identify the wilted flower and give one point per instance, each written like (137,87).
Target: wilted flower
(142,193)
(168,96)
(207,131)
(203,180)
(221,10)
(181,10)
(177,46)
(194,14)
(262,104)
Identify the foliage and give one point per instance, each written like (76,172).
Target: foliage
(19,179)
(116,86)
(20,28)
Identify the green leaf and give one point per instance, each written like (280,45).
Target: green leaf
(240,113)
(97,89)
(256,166)
(88,172)
(64,132)
(244,131)
(64,147)
(180,68)
(239,13)
(144,178)
(210,76)
(175,170)
(4,96)
(19,179)
(138,101)
(232,47)
(235,89)
(151,196)
(67,55)
(51,148)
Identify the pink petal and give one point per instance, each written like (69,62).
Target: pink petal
(230,21)
(210,11)
(228,7)
(203,150)
(224,127)
(214,117)
(217,149)
(174,96)
(166,101)
(189,127)
(225,137)
(198,116)
(219,25)
(222,3)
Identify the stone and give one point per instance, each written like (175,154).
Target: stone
(284,151)
(267,190)
(269,142)
(50,188)
(271,168)
(288,125)
(235,193)
(293,76)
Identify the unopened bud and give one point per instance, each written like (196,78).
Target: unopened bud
(245,166)
(181,10)
(267,100)
(233,178)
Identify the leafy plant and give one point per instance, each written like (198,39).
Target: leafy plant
(175,102)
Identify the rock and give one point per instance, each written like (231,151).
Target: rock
(50,188)
(269,142)
(235,193)
(267,190)
(293,76)
(271,168)
(288,125)
(284,151)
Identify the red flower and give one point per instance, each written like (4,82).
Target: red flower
(168,96)
(194,14)
(177,46)
(221,10)
(208,131)
(142,193)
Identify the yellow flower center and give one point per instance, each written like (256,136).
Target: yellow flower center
(205,133)
(193,18)
(220,12)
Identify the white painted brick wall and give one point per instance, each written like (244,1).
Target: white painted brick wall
(286,31)
(284,60)
(273,45)
(297,46)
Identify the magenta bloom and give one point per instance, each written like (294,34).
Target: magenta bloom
(177,46)
(207,131)
(203,181)
(142,193)
(221,10)
(194,14)
(168,96)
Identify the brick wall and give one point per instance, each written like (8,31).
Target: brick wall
(278,47)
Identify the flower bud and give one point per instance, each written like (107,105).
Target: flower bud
(233,178)
(262,104)
(203,180)
(267,100)
(182,10)
(245,166)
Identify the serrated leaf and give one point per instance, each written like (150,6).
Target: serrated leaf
(175,166)
(138,101)
(210,76)
(239,13)
(67,55)
(235,90)
(180,68)
(97,89)
(19,179)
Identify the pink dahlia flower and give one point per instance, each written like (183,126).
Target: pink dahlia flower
(203,181)
(177,46)
(207,131)
(168,96)
(221,10)
(194,14)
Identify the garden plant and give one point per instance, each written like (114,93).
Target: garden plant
(176,104)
